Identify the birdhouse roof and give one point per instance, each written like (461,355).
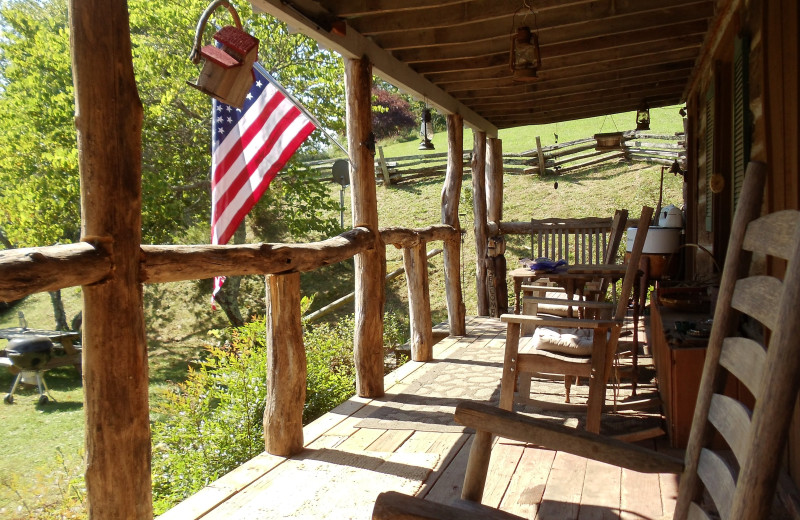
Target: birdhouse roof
(216,55)
(236,39)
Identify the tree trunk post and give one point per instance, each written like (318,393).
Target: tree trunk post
(480,218)
(496,261)
(286,367)
(370,266)
(108,118)
(451,194)
(415,261)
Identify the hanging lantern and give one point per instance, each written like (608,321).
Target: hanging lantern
(426,130)
(227,73)
(643,117)
(525,57)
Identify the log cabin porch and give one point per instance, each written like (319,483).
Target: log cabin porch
(407,441)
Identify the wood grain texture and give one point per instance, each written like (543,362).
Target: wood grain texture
(745,359)
(451,195)
(718,479)
(419,303)
(480,219)
(370,266)
(286,367)
(108,119)
(732,420)
(27,271)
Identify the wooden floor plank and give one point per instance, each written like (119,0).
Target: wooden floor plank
(502,465)
(527,485)
(448,486)
(600,499)
(445,444)
(562,496)
(390,440)
(669,492)
(641,496)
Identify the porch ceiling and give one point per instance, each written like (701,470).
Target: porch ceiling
(598,56)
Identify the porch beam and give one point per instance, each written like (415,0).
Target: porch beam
(353,45)
(370,266)
(286,367)
(108,118)
(480,219)
(496,260)
(451,195)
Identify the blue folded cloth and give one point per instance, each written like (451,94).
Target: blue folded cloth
(547,265)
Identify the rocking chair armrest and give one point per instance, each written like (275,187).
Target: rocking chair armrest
(519,427)
(391,505)
(564,323)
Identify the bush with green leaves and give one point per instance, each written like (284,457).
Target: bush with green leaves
(211,423)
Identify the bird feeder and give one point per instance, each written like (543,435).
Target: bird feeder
(643,117)
(525,57)
(426,131)
(227,73)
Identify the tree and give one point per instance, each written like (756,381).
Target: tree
(391,114)
(40,200)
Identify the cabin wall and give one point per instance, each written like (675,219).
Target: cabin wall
(770,28)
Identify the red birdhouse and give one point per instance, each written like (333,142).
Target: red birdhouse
(227,73)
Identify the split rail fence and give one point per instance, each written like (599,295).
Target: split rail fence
(558,159)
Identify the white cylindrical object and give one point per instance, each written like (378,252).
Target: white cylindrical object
(659,240)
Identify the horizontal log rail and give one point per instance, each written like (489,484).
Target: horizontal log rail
(40,269)
(495,229)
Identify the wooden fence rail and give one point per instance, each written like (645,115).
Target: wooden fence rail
(559,158)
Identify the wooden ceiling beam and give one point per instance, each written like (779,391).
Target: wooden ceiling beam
(588,100)
(354,45)
(503,94)
(664,69)
(561,26)
(551,71)
(639,34)
(640,90)
(595,55)
(558,116)
(354,8)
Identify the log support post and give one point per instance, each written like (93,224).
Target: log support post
(496,260)
(415,262)
(451,194)
(370,265)
(480,219)
(286,367)
(108,118)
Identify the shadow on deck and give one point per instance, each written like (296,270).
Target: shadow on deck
(407,441)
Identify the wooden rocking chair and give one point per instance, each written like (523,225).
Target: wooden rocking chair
(742,487)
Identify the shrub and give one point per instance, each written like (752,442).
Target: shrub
(391,114)
(212,422)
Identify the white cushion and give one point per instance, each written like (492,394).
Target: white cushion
(575,342)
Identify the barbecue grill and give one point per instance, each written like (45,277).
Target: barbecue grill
(30,355)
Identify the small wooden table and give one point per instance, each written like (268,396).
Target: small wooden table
(573,279)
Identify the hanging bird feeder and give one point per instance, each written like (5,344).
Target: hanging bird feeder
(227,73)
(426,130)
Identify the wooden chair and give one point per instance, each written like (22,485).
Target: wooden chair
(543,296)
(582,347)
(741,486)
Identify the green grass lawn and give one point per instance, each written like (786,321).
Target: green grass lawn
(43,445)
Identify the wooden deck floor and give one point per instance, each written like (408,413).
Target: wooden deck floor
(349,459)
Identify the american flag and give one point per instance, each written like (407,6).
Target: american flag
(249,146)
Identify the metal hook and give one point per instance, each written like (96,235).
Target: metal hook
(201,25)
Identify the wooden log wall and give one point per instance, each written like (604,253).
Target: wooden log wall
(286,367)
(370,266)
(480,219)
(108,119)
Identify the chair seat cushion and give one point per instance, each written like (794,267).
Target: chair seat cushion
(575,342)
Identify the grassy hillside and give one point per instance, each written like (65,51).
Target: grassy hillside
(179,315)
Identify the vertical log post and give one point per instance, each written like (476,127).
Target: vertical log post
(451,194)
(286,367)
(480,218)
(370,266)
(108,118)
(496,261)
(415,261)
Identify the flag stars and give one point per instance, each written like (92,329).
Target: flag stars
(220,119)
(230,119)
(249,96)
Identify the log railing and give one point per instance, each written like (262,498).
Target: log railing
(28,271)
